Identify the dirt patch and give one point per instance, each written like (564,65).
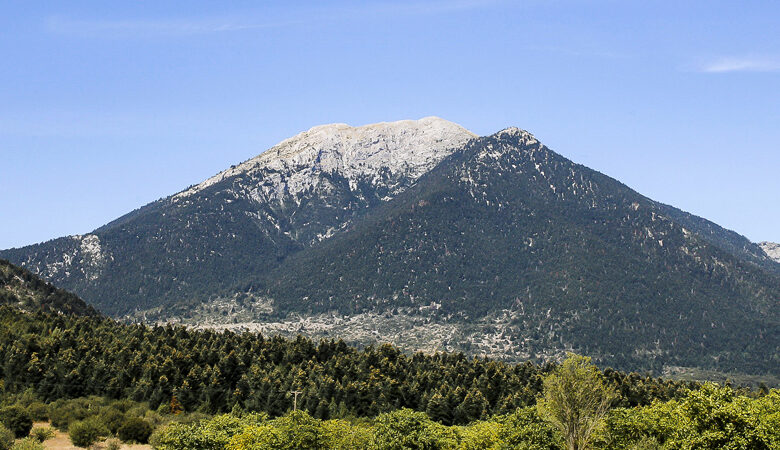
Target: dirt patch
(61,441)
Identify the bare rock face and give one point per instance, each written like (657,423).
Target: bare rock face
(771,249)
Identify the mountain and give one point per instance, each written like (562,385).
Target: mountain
(242,222)
(24,290)
(512,247)
(771,249)
(422,234)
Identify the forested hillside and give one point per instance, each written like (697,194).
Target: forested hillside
(98,379)
(20,288)
(67,356)
(556,255)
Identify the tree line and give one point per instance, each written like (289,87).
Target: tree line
(65,356)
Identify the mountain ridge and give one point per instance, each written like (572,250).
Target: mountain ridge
(497,246)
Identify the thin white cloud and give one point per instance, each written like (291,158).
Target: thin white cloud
(151,28)
(742,64)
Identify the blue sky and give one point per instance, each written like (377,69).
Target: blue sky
(106,106)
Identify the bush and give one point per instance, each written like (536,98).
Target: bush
(262,436)
(112,418)
(215,433)
(175,436)
(38,411)
(404,428)
(113,444)
(86,432)
(16,419)
(154,418)
(28,443)
(6,438)
(42,433)
(123,404)
(62,413)
(135,430)
(138,410)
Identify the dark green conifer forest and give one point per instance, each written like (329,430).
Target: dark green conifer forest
(65,356)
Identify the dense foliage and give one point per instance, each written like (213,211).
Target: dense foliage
(442,401)
(714,417)
(172,367)
(135,430)
(6,438)
(17,420)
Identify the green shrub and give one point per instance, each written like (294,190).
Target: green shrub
(42,433)
(38,411)
(175,436)
(16,419)
(64,412)
(524,429)
(122,404)
(135,430)
(137,410)
(112,418)
(295,430)
(154,418)
(28,443)
(192,418)
(215,433)
(343,435)
(86,432)
(262,436)
(113,444)
(6,438)
(405,428)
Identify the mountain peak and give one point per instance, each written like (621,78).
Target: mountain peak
(771,249)
(516,132)
(409,147)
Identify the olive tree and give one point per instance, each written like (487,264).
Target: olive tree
(575,400)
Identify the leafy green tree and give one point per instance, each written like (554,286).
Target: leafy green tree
(525,430)
(438,409)
(28,443)
(135,429)
(474,407)
(86,432)
(343,435)
(6,438)
(575,400)
(113,419)
(16,419)
(407,429)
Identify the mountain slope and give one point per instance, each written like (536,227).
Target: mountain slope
(198,244)
(419,233)
(728,240)
(20,288)
(557,255)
